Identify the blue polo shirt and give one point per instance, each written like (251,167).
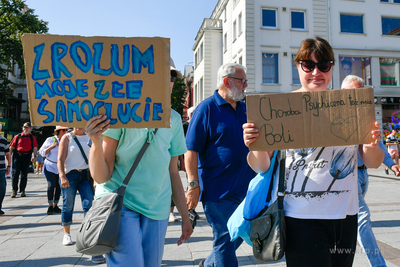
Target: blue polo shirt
(215,132)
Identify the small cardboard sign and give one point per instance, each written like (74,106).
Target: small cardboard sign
(312,119)
(70,79)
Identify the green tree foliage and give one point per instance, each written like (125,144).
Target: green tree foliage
(178,95)
(15,20)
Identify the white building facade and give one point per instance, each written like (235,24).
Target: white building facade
(264,36)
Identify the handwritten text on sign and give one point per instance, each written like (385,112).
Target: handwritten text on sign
(73,78)
(312,119)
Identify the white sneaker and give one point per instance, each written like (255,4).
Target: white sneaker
(172,217)
(67,241)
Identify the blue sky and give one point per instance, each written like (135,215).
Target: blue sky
(178,20)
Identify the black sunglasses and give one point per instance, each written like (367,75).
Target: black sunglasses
(309,65)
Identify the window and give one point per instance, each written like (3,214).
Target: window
(201,52)
(390,71)
(234,30)
(390,26)
(360,66)
(241,61)
(351,23)
(195,60)
(225,42)
(269,18)
(295,72)
(240,24)
(391,1)
(270,68)
(201,89)
(298,20)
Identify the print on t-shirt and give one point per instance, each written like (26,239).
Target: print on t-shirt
(319,163)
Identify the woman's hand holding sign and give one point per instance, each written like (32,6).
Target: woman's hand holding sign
(376,135)
(250,133)
(96,126)
(101,157)
(370,152)
(259,161)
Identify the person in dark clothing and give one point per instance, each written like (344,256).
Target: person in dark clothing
(4,167)
(23,145)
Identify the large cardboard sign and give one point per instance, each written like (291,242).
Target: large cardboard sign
(312,119)
(70,79)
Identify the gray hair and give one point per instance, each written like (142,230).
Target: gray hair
(349,78)
(190,111)
(227,69)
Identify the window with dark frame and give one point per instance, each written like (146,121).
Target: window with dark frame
(351,23)
(390,26)
(298,20)
(269,18)
(270,68)
(295,72)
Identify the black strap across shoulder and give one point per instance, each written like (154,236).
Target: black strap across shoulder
(125,183)
(80,148)
(19,137)
(281,185)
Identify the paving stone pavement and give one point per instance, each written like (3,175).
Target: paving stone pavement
(30,237)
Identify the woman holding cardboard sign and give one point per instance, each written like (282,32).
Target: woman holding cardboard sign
(321,202)
(145,214)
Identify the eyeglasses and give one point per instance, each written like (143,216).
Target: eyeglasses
(242,81)
(64,130)
(309,65)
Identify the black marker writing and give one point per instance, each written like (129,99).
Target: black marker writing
(276,113)
(271,138)
(324,103)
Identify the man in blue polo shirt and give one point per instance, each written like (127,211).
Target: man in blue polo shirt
(216,160)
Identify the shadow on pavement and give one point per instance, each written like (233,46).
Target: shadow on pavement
(390,223)
(45,262)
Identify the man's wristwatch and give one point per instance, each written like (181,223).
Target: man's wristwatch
(193,183)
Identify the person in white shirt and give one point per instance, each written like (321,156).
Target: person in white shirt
(320,201)
(49,150)
(392,142)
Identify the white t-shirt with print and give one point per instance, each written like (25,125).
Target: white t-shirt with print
(392,139)
(321,182)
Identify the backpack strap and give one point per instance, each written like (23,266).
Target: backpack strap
(19,137)
(16,142)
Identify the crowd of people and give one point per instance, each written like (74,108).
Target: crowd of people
(212,147)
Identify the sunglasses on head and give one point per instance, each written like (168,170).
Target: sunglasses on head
(309,65)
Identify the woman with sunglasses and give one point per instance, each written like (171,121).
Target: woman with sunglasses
(49,150)
(320,203)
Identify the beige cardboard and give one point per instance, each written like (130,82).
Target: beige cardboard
(100,91)
(312,119)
